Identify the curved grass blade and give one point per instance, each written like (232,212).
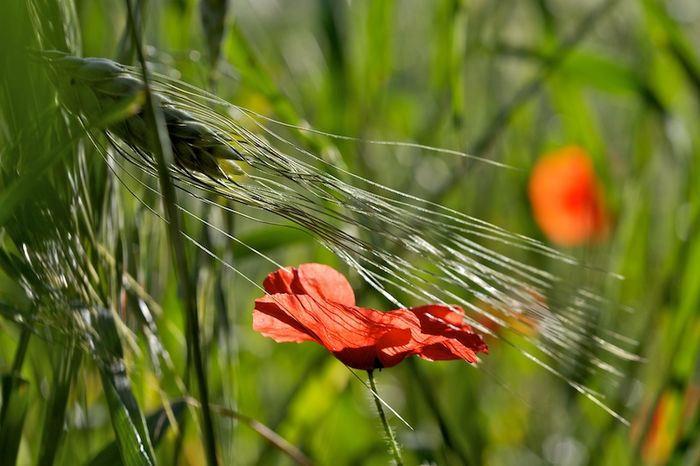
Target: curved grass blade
(14,411)
(268,434)
(128,422)
(67,363)
(157,422)
(213,15)
(160,143)
(15,402)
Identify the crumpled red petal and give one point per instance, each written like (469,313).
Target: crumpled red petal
(316,280)
(303,308)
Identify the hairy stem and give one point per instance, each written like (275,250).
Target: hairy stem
(382,416)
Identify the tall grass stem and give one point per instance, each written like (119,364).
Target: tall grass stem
(163,153)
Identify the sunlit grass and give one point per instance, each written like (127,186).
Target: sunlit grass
(93,349)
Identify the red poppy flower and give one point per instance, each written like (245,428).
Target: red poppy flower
(316,303)
(566,198)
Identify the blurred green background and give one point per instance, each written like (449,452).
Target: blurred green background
(507,80)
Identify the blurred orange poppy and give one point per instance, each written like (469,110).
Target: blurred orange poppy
(566,198)
(661,436)
(316,303)
(523,323)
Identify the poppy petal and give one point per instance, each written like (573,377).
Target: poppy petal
(271,320)
(394,346)
(280,281)
(326,283)
(436,319)
(317,280)
(437,339)
(389,350)
(352,334)
(447,350)
(334,325)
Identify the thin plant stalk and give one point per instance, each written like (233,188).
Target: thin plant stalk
(382,416)
(266,432)
(21,351)
(163,154)
(17,363)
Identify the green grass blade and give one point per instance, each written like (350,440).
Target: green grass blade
(131,443)
(213,15)
(14,413)
(66,368)
(127,419)
(159,140)
(157,422)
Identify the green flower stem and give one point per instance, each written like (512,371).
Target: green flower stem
(387,428)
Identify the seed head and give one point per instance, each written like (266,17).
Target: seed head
(108,94)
